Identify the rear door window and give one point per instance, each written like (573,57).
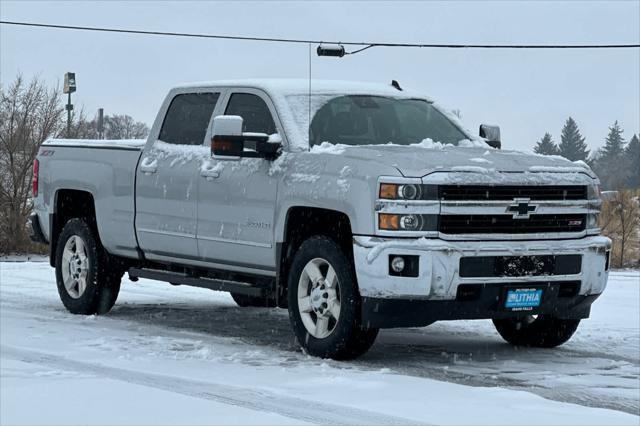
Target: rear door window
(187,118)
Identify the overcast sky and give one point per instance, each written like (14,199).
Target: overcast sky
(526,92)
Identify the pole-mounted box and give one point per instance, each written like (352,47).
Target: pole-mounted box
(69,82)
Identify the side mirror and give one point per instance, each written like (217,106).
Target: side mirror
(491,134)
(226,137)
(229,142)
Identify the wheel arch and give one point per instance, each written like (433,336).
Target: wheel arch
(300,223)
(69,204)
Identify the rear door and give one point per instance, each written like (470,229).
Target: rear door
(236,203)
(168,175)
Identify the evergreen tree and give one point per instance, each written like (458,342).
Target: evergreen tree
(632,154)
(611,165)
(572,144)
(546,146)
(614,144)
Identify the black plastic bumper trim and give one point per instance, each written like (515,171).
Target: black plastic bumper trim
(390,313)
(515,266)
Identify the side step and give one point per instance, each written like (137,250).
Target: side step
(210,283)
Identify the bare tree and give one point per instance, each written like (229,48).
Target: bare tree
(115,127)
(627,210)
(29,114)
(81,127)
(124,127)
(620,221)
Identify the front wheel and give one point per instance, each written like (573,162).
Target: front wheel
(87,283)
(324,303)
(541,331)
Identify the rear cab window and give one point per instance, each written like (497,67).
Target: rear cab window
(188,118)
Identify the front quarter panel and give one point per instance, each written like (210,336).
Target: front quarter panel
(327,181)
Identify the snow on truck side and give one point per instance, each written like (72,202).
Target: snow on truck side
(355,206)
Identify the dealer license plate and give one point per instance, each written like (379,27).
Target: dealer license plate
(523,299)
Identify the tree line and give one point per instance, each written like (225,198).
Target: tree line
(30,113)
(617,162)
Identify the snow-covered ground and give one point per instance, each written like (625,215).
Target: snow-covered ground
(180,355)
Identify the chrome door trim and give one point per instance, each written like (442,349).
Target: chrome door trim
(241,242)
(169,233)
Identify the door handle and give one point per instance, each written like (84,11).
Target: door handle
(149,165)
(210,172)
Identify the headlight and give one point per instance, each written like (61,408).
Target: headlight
(397,191)
(408,222)
(593,192)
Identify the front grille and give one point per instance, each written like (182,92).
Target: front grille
(488,192)
(506,224)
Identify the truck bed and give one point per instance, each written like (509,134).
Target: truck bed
(104,168)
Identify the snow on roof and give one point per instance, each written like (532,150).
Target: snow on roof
(291,98)
(102,143)
(299,86)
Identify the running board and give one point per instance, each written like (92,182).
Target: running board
(210,283)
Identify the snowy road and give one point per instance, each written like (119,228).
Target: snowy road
(179,355)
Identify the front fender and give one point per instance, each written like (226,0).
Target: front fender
(329,182)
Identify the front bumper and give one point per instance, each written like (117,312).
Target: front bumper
(394,301)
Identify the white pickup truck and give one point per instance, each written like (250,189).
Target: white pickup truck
(355,206)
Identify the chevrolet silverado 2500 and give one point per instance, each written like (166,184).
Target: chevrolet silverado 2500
(355,206)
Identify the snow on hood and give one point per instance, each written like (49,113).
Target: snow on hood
(419,160)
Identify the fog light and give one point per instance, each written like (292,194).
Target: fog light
(397,264)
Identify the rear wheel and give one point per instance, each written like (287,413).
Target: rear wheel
(540,331)
(324,303)
(87,283)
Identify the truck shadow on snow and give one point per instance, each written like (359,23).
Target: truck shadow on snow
(439,346)
(270,330)
(450,352)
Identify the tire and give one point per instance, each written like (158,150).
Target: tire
(245,301)
(338,338)
(93,287)
(540,332)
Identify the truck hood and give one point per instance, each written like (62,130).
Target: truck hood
(420,160)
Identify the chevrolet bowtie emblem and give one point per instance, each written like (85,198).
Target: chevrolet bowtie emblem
(521,208)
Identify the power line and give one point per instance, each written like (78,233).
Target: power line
(366,44)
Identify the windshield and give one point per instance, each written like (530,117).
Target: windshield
(372,120)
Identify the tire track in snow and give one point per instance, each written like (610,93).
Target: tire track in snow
(413,363)
(260,400)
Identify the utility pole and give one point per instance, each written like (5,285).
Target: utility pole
(100,123)
(69,88)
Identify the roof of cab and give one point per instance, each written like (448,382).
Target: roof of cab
(301,86)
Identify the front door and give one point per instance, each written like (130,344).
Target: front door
(236,199)
(167,179)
